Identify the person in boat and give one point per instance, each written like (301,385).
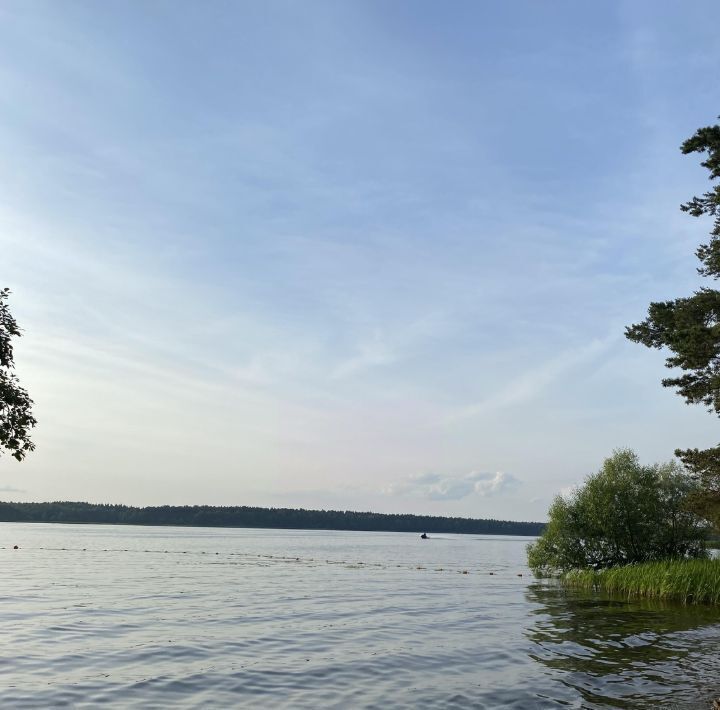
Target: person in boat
(424,536)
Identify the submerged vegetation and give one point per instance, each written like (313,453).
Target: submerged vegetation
(687,581)
(253,517)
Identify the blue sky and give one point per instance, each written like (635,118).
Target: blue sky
(360,255)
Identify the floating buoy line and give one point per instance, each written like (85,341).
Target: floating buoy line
(348,564)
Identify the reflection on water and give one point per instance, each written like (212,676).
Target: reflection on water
(626,654)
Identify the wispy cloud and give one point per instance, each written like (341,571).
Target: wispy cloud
(11,489)
(331,253)
(533,382)
(374,352)
(387,345)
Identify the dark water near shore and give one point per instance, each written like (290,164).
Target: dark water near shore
(159,617)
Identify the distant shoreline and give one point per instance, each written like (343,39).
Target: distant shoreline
(257,517)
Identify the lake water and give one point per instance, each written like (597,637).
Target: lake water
(215,618)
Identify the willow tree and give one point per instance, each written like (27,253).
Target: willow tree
(690,329)
(16,418)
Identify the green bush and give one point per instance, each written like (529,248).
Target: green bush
(625,513)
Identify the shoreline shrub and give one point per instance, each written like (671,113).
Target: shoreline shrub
(625,513)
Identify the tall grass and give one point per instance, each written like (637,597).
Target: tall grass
(687,581)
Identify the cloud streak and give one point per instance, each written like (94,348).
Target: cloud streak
(533,382)
(334,254)
(11,489)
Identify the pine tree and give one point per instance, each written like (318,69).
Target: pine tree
(690,328)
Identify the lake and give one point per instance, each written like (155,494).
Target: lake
(152,617)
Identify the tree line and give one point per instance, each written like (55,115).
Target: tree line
(256,517)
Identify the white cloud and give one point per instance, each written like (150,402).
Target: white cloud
(436,486)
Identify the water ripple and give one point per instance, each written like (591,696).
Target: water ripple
(151,618)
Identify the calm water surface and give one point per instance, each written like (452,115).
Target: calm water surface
(214,618)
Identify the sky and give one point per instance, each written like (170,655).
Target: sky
(348,255)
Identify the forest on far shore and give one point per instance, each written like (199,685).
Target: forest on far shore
(253,517)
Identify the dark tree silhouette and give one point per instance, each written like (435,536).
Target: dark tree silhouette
(253,517)
(16,418)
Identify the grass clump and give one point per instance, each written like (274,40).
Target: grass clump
(688,581)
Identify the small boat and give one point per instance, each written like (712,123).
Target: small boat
(424,536)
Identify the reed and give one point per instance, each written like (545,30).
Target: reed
(686,581)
